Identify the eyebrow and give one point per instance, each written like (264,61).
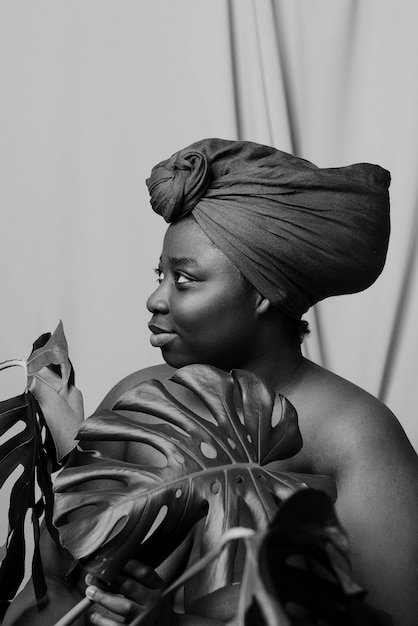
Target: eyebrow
(182,260)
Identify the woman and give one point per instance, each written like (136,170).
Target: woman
(256,237)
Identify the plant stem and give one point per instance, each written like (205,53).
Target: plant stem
(75,612)
(13,363)
(230,535)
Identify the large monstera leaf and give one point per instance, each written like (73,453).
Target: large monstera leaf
(217,455)
(24,457)
(303,569)
(297,571)
(37,430)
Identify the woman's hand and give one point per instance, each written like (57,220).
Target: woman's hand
(135,590)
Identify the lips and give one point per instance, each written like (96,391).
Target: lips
(160,336)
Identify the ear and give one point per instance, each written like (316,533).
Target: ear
(262,304)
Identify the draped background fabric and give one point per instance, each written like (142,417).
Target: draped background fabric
(95,93)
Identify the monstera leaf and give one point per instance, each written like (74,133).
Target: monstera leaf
(30,449)
(26,453)
(51,381)
(297,571)
(216,465)
(303,570)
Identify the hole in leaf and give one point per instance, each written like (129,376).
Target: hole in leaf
(43,434)
(238,404)
(30,542)
(5,497)
(208,450)
(216,487)
(249,438)
(231,443)
(14,430)
(179,458)
(277,412)
(179,493)
(117,528)
(239,479)
(162,513)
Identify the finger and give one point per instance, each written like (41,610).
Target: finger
(89,579)
(113,602)
(98,619)
(137,592)
(143,573)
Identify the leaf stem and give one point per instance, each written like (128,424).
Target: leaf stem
(75,612)
(14,363)
(232,534)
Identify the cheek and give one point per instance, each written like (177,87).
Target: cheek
(193,315)
(213,316)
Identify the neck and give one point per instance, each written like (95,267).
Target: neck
(275,354)
(280,366)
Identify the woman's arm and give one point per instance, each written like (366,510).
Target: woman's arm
(377,484)
(137,588)
(60,598)
(140,585)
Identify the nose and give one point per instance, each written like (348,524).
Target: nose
(158,300)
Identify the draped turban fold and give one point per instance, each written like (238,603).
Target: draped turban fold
(299,233)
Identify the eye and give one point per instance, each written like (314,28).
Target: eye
(160,275)
(181,279)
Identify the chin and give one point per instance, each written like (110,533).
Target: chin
(180,360)
(176,360)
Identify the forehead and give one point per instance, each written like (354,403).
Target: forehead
(185,243)
(185,238)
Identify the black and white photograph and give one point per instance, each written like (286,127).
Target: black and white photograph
(209,297)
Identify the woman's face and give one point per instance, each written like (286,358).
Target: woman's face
(202,310)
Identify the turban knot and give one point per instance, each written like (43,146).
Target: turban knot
(178,184)
(299,233)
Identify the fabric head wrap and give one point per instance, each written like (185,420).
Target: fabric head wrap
(299,233)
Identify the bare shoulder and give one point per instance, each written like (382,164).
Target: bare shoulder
(352,436)
(121,449)
(342,424)
(159,372)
